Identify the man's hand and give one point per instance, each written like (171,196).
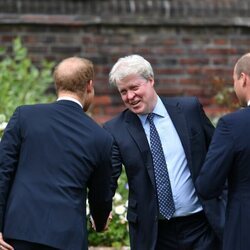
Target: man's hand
(4,245)
(92,222)
(107,223)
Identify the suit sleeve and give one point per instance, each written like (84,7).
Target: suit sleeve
(212,178)
(99,195)
(116,168)
(9,155)
(207,126)
(116,165)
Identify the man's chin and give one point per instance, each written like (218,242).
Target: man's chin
(137,111)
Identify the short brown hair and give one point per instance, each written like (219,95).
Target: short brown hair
(72,74)
(243,65)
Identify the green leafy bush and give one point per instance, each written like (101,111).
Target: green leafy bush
(21,81)
(224,97)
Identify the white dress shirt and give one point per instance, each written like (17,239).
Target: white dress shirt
(69,98)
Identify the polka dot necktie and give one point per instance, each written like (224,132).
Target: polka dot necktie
(164,192)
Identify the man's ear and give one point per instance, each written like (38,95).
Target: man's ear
(151,81)
(244,78)
(89,86)
(247,80)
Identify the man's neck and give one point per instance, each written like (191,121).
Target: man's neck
(69,95)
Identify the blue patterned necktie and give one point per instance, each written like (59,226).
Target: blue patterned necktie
(164,192)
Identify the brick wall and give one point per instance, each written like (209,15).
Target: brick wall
(188,53)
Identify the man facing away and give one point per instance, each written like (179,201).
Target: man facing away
(228,159)
(162,143)
(50,154)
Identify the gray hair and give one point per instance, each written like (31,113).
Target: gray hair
(130,65)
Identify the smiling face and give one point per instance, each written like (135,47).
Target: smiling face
(138,94)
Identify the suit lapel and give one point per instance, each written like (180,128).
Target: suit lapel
(136,130)
(181,127)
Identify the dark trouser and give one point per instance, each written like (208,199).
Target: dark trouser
(25,245)
(186,233)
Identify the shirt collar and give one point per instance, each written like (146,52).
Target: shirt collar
(248,103)
(159,110)
(69,98)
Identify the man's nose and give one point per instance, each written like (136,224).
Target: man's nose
(130,94)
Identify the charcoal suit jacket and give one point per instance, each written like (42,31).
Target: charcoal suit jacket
(131,149)
(50,155)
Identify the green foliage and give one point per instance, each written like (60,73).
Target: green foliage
(117,233)
(224,94)
(224,97)
(21,81)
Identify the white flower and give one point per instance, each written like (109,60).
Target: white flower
(117,197)
(87,207)
(123,218)
(120,209)
(3,126)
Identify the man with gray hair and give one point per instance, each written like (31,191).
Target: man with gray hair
(162,142)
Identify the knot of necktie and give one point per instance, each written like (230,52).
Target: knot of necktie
(150,117)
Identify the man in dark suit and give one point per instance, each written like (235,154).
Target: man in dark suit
(228,159)
(160,216)
(50,154)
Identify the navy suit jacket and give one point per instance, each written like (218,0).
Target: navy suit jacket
(228,159)
(131,148)
(49,155)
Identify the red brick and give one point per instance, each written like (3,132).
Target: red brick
(220,61)
(190,61)
(170,42)
(101,118)
(220,41)
(169,71)
(221,51)
(190,81)
(194,70)
(113,110)
(102,100)
(169,91)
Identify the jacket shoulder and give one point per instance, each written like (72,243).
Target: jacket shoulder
(183,100)
(117,120)
(30,107)
(237,115)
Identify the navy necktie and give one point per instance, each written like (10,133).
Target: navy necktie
(164,191)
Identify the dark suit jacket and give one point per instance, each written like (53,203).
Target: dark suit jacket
(49,155)
(228,158)
(131,148)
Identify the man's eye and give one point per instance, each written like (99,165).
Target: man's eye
(135,88)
